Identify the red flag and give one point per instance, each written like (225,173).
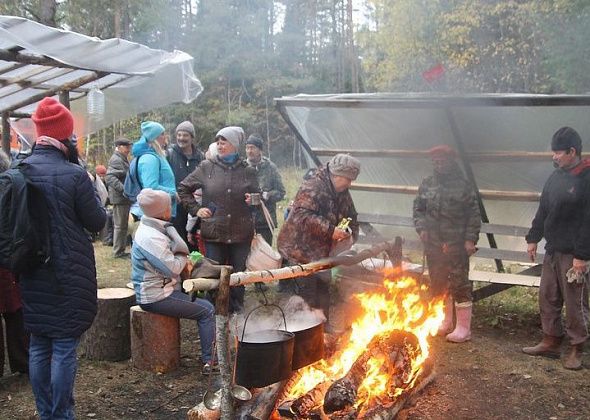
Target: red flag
(434,73)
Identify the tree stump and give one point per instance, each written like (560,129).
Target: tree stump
(155,341)
(108,337)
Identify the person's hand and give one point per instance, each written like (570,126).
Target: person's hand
(424,236)
(204,213)
(579,266)
(531,249)
(248,198)
(470,248)
(339,234)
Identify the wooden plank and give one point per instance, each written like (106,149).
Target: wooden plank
(413,190)
(504,278)
(407,221)
(503,156)
(490,290)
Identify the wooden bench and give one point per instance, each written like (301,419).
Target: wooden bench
(499,280)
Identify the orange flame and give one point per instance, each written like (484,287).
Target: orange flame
(403,306)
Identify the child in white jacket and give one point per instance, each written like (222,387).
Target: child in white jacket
(158,257)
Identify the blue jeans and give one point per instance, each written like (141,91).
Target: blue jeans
(179,305)
(234,255)
(52,371)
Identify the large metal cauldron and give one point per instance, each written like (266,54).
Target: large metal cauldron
(309,345)
(264,357)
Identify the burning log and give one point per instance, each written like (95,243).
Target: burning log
(394,350)
(311,400)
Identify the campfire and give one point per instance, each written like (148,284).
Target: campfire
(377,365)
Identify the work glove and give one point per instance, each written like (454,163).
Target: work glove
(578,277)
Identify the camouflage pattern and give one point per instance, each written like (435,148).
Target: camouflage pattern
(306,235)
(446,208)
(269,181)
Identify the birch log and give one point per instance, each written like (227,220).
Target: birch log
(222,338)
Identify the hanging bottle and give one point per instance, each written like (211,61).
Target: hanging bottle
(95,103)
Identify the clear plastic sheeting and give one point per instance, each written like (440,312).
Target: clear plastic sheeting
(415,122)
(133,77)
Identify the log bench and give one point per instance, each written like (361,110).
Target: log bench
(155,341)
(498,281)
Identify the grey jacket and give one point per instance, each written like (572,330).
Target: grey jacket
(115,178)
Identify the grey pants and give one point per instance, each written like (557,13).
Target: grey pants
(120,222)
(554,291)
(450,273)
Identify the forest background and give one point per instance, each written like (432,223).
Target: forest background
(248,52)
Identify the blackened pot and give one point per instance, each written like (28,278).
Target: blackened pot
(309,346)
(264,357)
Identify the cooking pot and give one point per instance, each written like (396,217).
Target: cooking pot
(264,357)
(309,345)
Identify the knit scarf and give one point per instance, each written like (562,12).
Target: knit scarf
(50,141)
(230,159)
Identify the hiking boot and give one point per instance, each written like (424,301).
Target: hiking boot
(573,357)
(462,330)
(209,368)
(548,347)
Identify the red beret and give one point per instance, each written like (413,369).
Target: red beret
(54,120)
(442,150)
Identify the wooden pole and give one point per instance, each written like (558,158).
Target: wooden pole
(222,338)
(302,270)
(6,133)
(495,156)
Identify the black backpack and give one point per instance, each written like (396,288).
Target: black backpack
(24,229)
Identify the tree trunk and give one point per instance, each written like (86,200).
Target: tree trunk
(222,337)
(47,12)
(108,337)
(155,341)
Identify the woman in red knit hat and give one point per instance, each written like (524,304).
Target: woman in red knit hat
(59,297)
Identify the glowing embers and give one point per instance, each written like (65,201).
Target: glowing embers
(380,361)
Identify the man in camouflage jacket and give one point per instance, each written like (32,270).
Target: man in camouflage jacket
(311,231)
(447,218)
(270,182)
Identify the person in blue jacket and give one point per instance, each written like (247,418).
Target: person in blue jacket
(59,297)
(153,169)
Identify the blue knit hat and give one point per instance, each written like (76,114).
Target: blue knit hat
(150,130)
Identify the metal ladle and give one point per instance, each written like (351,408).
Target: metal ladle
(212,399)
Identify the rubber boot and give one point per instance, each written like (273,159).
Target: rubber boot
(447,324)
(548,347)
(573,357)
(462,330)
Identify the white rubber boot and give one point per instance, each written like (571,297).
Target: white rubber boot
(447,324)
(462,330)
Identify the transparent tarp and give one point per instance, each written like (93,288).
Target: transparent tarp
(415,122)
(135,78)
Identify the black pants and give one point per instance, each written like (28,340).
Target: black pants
(17,342)
(234,255)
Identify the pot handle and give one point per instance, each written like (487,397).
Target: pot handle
(262,306)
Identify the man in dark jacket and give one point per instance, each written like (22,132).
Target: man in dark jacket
(447,218)
(115,179)
(184,157)
(311,231)
(563,219)
(270,182)
(60,297)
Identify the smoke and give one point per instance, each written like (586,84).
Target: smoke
(298,315)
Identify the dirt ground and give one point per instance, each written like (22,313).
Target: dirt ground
(487,378)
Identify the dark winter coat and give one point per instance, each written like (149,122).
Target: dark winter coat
(317,209)
(182,165)
(563,216)
(60,297)
(446,207)
(224,188)
(269,180)
(115,178)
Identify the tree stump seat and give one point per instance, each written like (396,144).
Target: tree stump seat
(155,341)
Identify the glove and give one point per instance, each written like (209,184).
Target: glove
(265,195)
(574,276)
